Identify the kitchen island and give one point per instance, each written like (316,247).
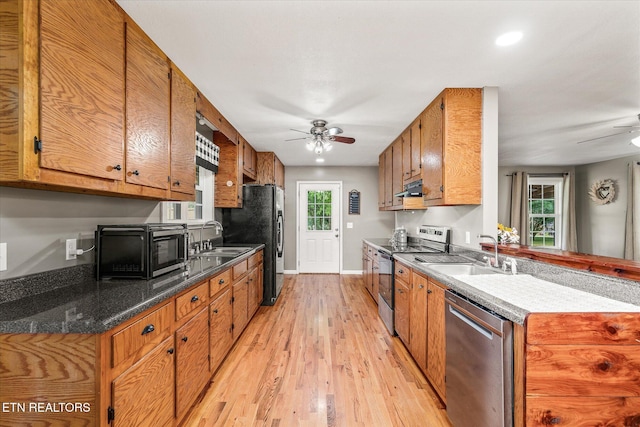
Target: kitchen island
(104,352)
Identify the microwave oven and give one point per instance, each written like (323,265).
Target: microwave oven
(141,251)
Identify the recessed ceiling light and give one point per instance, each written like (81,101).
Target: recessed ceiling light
(319,160)
(507,39)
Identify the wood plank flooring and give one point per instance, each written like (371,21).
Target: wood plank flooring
(319,357)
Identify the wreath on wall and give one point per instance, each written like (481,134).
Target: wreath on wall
(602,192)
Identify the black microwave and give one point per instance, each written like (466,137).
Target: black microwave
(141,251)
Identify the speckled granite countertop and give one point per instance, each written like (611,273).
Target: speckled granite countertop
(514,297)
(85,305)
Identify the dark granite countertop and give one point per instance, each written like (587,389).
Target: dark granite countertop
(86,305)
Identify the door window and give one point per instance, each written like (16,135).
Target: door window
(318,210)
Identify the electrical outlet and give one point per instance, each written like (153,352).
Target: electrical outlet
(72,246)
(467,237)
(3,256)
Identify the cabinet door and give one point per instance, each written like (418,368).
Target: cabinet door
(183,131)
(82,88)
(375,277)
(153,374)
(279,173)
(148,96)
(432,139)
(401,312)
(240,306)
(192,343)
(418,320)
(220,329)
(388,177)
(416,147)
(436,346)
(406,156)
(381,180)
(397,182)
(254,292)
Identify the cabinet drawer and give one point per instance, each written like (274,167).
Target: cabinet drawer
(240,269)
(219,282)
(583,328)
(403,272)
(254,260)
(191,300)
(141,336)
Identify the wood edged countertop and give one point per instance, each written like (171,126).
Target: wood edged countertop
(622,268)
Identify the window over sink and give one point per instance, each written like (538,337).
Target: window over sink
(197,211)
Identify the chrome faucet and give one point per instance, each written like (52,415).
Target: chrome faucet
(510,262)
(495,262)
(212,222)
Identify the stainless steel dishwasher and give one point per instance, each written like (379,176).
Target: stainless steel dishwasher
(479,365)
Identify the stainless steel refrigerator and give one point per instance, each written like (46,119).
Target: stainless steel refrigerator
(260,220)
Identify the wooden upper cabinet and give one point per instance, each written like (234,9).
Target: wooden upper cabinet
(382,180)
(269,169)
(82,88)
(415,168)
(397,182)
(228,192)
(183,130)
(451,154)
(406,156)
(211,113)
(249,158)
(148,102)
(388,177)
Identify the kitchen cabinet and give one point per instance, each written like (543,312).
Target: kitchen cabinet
(418,320)
(366,267)
(64,128)
(396,172)
(144,393)
(382,182)
(402,312)
(388,177)
(148,94)
(240,306)
(211,113)
(249,159)
(220,329)
(270,169)
(436,343)
(228,193)
(411,154)
(192,354)
(254,282)
(451,148)
(183,142)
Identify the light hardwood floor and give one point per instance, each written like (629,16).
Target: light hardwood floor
(319,357)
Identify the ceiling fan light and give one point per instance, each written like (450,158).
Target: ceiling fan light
(328,146)
(636,141)
(318,149)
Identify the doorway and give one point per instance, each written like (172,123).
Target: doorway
(319,226)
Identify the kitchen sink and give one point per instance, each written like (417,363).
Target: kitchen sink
(224,251)
(461,269)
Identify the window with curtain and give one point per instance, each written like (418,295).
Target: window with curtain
(545,211)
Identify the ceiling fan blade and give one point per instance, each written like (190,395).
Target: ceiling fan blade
(333,131)
(606,136)
(626,127)
(301,131)
(296,139)
(344,139)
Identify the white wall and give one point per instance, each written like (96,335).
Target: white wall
(35,225)
(601,227)
(371,223)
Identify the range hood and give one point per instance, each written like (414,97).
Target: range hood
(412,189)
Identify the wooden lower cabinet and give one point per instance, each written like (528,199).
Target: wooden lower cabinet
(436,339)
(144,393)
(220,329)
(402,311)
(192,348)
(240,301)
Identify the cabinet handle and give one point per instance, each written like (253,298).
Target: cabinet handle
(135,172)
(401,271)
(399,291)
(117,167)
(170,351)
(215,311)
(429,291)
(185,339)
(176,183)
(421,286)
(148,329)
(194,298)
(221,281)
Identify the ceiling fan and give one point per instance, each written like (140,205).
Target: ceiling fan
(320,137)
(630,129)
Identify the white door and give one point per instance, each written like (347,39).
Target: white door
(319,227)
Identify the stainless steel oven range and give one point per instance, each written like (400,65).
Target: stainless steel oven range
(432,242)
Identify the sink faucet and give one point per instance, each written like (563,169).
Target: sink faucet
(212,222)
(495,262)
(510,262)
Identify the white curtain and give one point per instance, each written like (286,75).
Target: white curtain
(569,240)
(519,205)
(632,226)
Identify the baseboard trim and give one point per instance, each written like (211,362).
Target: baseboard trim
(290,271)
(352,272)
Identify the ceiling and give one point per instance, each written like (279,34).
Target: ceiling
(370,67)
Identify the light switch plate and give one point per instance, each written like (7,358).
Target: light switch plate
(349,225)
(3,256)
(467,237)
